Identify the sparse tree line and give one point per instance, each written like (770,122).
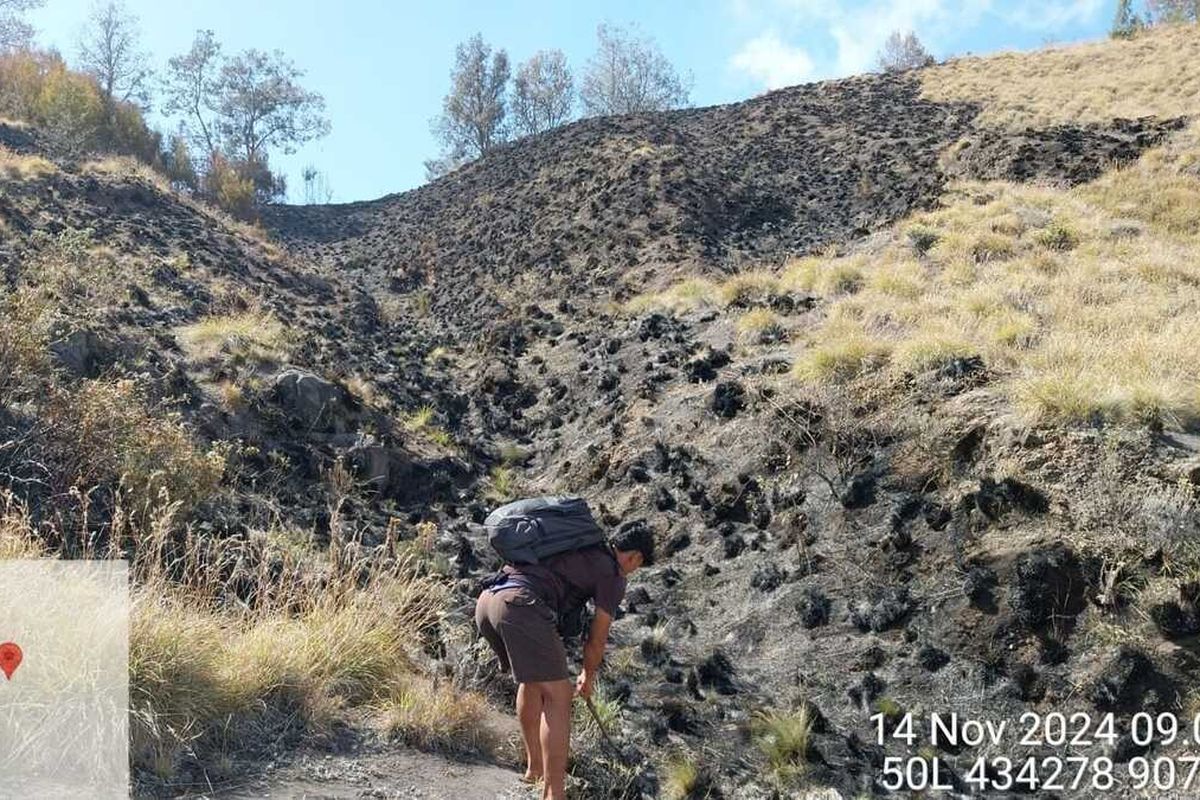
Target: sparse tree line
(1134,16)
(902,51)
(488,105)
(231,112)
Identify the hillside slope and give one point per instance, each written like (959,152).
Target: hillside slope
(897,369)
(607,207)
(946,461)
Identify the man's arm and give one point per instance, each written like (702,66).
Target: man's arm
(593,652)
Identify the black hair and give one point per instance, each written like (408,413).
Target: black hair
(635,536)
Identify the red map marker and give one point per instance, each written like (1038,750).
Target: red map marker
(10,659)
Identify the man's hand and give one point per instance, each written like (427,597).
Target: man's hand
(593,652)
(584,685)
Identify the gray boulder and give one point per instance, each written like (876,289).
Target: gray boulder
(316,404)
(383,469)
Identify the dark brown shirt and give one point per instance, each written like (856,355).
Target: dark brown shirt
(568,580)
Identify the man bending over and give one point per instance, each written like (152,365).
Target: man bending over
(519,618)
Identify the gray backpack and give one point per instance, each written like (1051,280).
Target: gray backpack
(527,531)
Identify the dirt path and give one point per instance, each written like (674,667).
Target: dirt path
(396,773)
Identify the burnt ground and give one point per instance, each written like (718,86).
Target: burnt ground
(821,551)
(836,551)
(827,551)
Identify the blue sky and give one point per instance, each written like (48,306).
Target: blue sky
(383,66)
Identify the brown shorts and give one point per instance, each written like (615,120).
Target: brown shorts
(523,631)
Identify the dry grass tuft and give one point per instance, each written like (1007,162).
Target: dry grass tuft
(105,432)
(686,295)
(228,638)
(313,649)
(783,738)
(247,337)
(681,779)
(126,167)
(761,325)
(14,166)
(1154,73)
(24,333)
(433,716)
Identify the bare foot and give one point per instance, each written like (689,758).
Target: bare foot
(531,777)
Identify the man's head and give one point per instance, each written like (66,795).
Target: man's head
(634,546)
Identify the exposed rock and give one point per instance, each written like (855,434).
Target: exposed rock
(703,368)
(931,658)
(995,499)
(978,585)
(382,469)
(316,404)
(865,692)
(676,544)
(1130,682)
(1180,619)
(860,493)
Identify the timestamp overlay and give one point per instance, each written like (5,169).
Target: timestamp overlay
(1069,753)
(64,679)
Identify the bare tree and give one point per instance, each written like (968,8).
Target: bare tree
(543,93)
(629,74)
(444,164)
(261,105)
(109,50)
(192,89)
(1126,22)
(15,32)
(902,51)
(316,186)
(472,121)
(1173,12)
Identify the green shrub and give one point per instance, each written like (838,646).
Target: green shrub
(1058,237)
(922,238)
(232,192)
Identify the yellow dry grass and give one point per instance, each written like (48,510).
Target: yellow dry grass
(1154,73)
(252,336)
(127,167)
(1084,303)
(683,296)
(343,645)
(15,166)
(310,640)
(761,324)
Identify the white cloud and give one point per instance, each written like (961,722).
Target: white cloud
(856,31)
(846,36)
(861,32)
(1049,16)
(772,62)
